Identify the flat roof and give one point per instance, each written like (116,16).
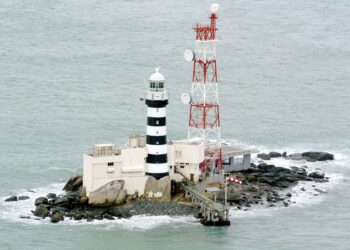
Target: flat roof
(229,150)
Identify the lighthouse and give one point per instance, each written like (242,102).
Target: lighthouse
(156,142)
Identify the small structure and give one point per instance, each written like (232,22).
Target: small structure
(235,158)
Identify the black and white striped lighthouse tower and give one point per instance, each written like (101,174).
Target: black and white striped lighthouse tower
(156,101)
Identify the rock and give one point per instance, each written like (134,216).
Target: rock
(78,216)
(303,189)
(62,202)
(289,195)
(57,217)
(159,190)
(73,195)
(41,200)
(275,154)
(121,197)
(285,204)
(302,172)
(23,197)
(12,198)
(316,175)
(99,212)
(51,196)
(318,156)
(41,211)
(24,217)
(74,183)
(265,167)
(107,194)
(319,190)
(264,156)
(296,157)
(60,209)
(108,217)
(284,154)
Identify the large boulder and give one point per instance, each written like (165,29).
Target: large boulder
(57,216)
(121,197)
(41,211)
(158,189)
(74,183)
(107,194)
(318,156)
(51,196)
(62,202)
(264,156)
(12,198)
(41,200)
(275,154)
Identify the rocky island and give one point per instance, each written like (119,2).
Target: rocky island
(262,184)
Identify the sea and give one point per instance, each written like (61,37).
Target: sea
(72,74)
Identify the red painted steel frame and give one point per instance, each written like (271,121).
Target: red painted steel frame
(206,115)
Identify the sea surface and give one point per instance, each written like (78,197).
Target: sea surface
(72,73)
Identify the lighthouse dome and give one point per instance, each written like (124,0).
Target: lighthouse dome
(156,76)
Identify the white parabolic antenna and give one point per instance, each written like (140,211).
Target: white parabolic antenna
(186,98)
(189,55)
(214,7)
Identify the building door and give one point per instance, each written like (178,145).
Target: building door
(192,177)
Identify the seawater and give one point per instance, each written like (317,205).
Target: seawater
(72,72)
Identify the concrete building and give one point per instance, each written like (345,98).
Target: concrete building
(108,163)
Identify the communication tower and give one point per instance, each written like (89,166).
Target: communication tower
(204,115)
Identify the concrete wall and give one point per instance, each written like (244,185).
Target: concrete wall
(128,166)
(235,165)
(186,159)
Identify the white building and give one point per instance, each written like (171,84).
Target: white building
(108,163)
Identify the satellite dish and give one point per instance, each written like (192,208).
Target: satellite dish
(214,7)
(186,98)
(189,55)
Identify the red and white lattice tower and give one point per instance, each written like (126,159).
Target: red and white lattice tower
(204,117)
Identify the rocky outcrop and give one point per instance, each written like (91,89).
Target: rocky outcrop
(275,154)
(158,189)
(263,156)
(41,211)
(317,156)
(11,198)
(51,196)
(106,195)
(316,175)
(74,183)
(57,216)
(41,200)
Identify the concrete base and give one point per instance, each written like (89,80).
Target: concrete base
(158,189)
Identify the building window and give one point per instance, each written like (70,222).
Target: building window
(110,164)
(157,122)
(170,167)
(157,142)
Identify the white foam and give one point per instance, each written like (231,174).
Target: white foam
(332,169)
(12,211)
